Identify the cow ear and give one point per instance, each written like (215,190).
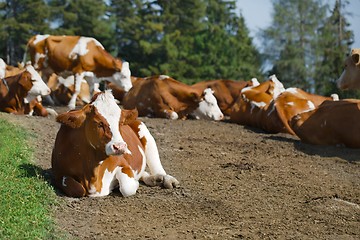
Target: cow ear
(197,97)
(355,58)
(25,80)
(74,118)
(128,116)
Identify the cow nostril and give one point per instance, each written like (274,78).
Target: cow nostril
(119,147)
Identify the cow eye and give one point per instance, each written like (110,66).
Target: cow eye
(100,125)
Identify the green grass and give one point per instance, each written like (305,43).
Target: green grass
(26,199)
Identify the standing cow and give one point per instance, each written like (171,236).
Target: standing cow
(100,147)
(84,57)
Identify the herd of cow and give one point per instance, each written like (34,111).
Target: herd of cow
(101,146)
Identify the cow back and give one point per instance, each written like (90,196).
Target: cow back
(154,95)
(332,123)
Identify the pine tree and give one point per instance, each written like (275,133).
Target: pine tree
(291,41)
(188,40)
(138,33)
(84,18)
(335,40)
(20,20)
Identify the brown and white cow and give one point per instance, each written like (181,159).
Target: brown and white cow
(18,93)
(83,57)
(164,97)
(350,78)
(101,147)
(225,91)
(294,101)
(332,123)
(34,107)
(252,106)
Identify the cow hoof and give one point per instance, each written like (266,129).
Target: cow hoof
(165,181)
(170,182)
(51,112)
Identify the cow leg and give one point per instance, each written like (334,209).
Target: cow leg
(78,79)
(158,175)
(127,185)
(70,187)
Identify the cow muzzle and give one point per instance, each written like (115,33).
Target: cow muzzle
(116,148)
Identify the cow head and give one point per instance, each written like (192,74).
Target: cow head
(100,119)
(350,78)
(208,107)
(122,78)
(37,85)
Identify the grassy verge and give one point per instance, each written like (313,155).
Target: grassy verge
(25,197)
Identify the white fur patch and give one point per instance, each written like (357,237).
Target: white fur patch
(151,151)
(39,38)
(292,90)
(39,87)
(37,57)
(107,107)
(278,88)
(81,47)
(255,82)
(162,77)
(121,79)
(2,68)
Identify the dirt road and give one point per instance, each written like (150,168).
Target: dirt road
(236,183)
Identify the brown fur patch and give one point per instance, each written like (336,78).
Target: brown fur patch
(74,118)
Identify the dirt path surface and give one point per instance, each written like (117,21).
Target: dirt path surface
(236,183)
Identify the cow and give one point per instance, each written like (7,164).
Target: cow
(225,91)
(332,123)
(84,57)
(350,78)
(164,97)
(19,91)
(100,147)
(252,106)
(294,101)
(35,107)
(62,90)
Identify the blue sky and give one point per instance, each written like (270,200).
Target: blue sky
(257,14)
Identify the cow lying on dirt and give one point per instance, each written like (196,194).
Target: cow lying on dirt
(101,147)
(164,97)
(225,91)
(332,123)
(19,94)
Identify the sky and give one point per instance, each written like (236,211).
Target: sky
(258,15)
